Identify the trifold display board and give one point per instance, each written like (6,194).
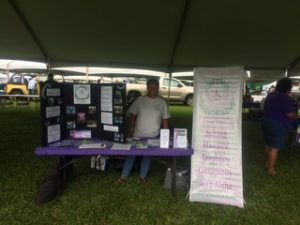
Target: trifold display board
(83,111)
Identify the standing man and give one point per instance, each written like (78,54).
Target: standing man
(51,80)
(147,115)
(32,86)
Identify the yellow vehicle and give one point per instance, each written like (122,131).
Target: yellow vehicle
(18,85)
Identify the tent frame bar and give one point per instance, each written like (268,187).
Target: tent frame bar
(176,43)
(29,28)
(179,34)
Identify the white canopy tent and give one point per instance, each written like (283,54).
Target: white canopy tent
(10,65)
(109,70)
(168,36)
(18,64)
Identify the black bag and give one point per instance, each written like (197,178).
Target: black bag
(49,188)
(182,179)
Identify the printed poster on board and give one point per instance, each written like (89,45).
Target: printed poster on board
(82,94)
(216,166)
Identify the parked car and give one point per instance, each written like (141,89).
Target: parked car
(188,82)
(3,81)
(179,92)
(18,84)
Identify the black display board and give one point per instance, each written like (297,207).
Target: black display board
(52,108)
(83,111)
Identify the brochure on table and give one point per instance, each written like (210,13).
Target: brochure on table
(83,111)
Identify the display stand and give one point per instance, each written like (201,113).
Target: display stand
(82,111)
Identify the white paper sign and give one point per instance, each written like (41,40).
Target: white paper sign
(106,117)
(53,133)
(53,111)
(216,174)
(106,98)
(119,146)
(111,128)
(82,94)
(52,92)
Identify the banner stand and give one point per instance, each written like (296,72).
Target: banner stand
(216,166)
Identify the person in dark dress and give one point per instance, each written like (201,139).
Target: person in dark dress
(278,115)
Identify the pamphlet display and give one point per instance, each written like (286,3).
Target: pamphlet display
(83,111)
(164,138)
(180,139)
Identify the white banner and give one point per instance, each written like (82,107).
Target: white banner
(216,169)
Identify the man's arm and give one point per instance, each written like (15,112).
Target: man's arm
(132,119)
(165,123)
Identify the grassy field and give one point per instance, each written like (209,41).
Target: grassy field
(94,198)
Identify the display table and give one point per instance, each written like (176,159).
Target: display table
(69,148)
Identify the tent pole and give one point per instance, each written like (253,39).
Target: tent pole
(293,65)
(28,28)
(169,87)
(87,74)
(7,69)
(176,43)
(48,64)
(179,33)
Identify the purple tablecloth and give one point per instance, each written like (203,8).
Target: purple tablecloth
(57,150)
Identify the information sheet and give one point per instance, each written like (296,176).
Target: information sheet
(52,111)
(53,133)
(106,101)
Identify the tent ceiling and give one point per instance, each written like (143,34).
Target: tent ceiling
(148,34)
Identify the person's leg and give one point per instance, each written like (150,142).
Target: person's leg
(265,130)
(274,135)
(267,150)
(128,164)
(272,158)
(145,165)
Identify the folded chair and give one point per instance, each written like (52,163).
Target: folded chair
(6,103)
(23,103)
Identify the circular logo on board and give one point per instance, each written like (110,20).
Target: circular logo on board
(216,98)
(82,92)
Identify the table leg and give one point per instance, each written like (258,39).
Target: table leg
(173,169)
(65,169)
(61,174)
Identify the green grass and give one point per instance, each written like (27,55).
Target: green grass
(93,197)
